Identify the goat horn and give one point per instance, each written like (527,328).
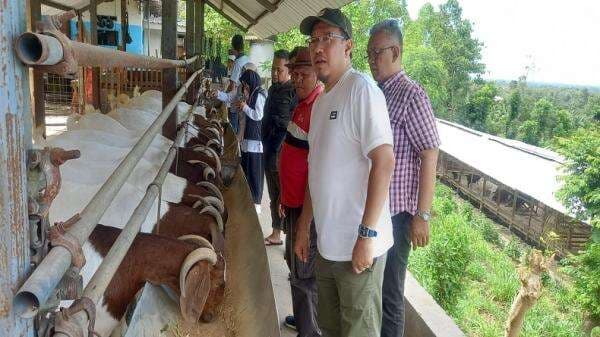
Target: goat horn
(208,171)
(197,255)
(212,187)
(214,130)
(214,141)
(211,210)
(215,202)
(202,242)
(209,152)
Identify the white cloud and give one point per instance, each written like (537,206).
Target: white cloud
(561,38)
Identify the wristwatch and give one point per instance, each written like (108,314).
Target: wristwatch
(425,215)
(366,232)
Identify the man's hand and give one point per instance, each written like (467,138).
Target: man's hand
(240,105)
(419,232)
(281,211)
(302,242)
(362,255)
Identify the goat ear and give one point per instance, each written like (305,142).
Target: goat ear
(193,297)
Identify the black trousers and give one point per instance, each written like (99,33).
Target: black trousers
(302,277)
(274,190)
(392,324)
(252,164)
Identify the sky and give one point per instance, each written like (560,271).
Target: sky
(560,38)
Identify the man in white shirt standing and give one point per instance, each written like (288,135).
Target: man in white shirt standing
(237,44)
(351,161)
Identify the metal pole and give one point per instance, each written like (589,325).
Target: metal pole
(39,49)
(46,276)
(15,139)
(94,41)
(190,41)
(37,94)
(101,279)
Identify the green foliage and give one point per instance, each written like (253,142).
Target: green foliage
(581,194)
(513,249)
(290,40)
(489,282)
(446,260)
(581,189)
(479,105)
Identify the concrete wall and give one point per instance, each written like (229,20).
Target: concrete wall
(423,316)
(113,8)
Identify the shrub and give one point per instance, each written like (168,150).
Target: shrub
(513,249)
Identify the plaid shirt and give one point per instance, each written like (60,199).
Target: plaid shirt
(414,130)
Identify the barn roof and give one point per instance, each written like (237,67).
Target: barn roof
(262,18)
(531,170)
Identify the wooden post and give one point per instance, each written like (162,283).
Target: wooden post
(94,41)
(124,26)
(514,209)
(15,140)
(483,192)
(198,36)
(37,93)
(169,51)
(190,41)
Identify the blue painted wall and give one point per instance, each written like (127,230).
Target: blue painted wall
(136,32)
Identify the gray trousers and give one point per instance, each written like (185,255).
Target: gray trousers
(394,276)
(302,277)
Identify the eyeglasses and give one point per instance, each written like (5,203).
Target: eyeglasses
(315,40)
(375,52)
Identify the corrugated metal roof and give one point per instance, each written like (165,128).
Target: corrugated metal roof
(252,15)
(531,170)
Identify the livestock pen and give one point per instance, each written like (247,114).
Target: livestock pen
(514,182)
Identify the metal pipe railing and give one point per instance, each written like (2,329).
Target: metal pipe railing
(100,280)
(50,50)
(49,272)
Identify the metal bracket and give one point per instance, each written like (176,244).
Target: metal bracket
(64,325)
(60,237)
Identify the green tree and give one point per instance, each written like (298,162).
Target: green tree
(581,194)
(424,65)
(479,106)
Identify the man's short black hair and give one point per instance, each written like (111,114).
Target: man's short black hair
(282,54)
(294,52)
(237,42)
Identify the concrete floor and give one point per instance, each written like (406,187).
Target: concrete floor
(278,268)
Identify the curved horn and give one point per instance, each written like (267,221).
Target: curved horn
(209,151)
(214,130)
(215,141)
(212,187)
(211,210)
(200,254)
(215,202)
(202,242)
(207,169)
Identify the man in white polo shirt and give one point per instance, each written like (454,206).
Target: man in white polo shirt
(350,165)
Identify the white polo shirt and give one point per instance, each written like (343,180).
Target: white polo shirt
(346,124)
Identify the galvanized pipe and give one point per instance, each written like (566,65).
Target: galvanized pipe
(100,280)
(48,274)
(40,49)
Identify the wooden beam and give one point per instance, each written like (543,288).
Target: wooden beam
(124,25)
(37,94)
(169,50)
(238,10)
(235,23)
(190,41)
(199,28)
(267,5)
(94,40)
(87,7)
(56,5)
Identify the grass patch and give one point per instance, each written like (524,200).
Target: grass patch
(473,276)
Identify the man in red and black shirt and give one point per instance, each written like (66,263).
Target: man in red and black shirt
(293,177)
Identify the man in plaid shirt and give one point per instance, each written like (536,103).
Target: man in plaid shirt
(416,143)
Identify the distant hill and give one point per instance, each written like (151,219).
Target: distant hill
(591,88)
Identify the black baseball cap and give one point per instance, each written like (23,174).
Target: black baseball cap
(331,16)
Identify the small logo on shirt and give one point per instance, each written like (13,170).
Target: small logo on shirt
(333,115)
